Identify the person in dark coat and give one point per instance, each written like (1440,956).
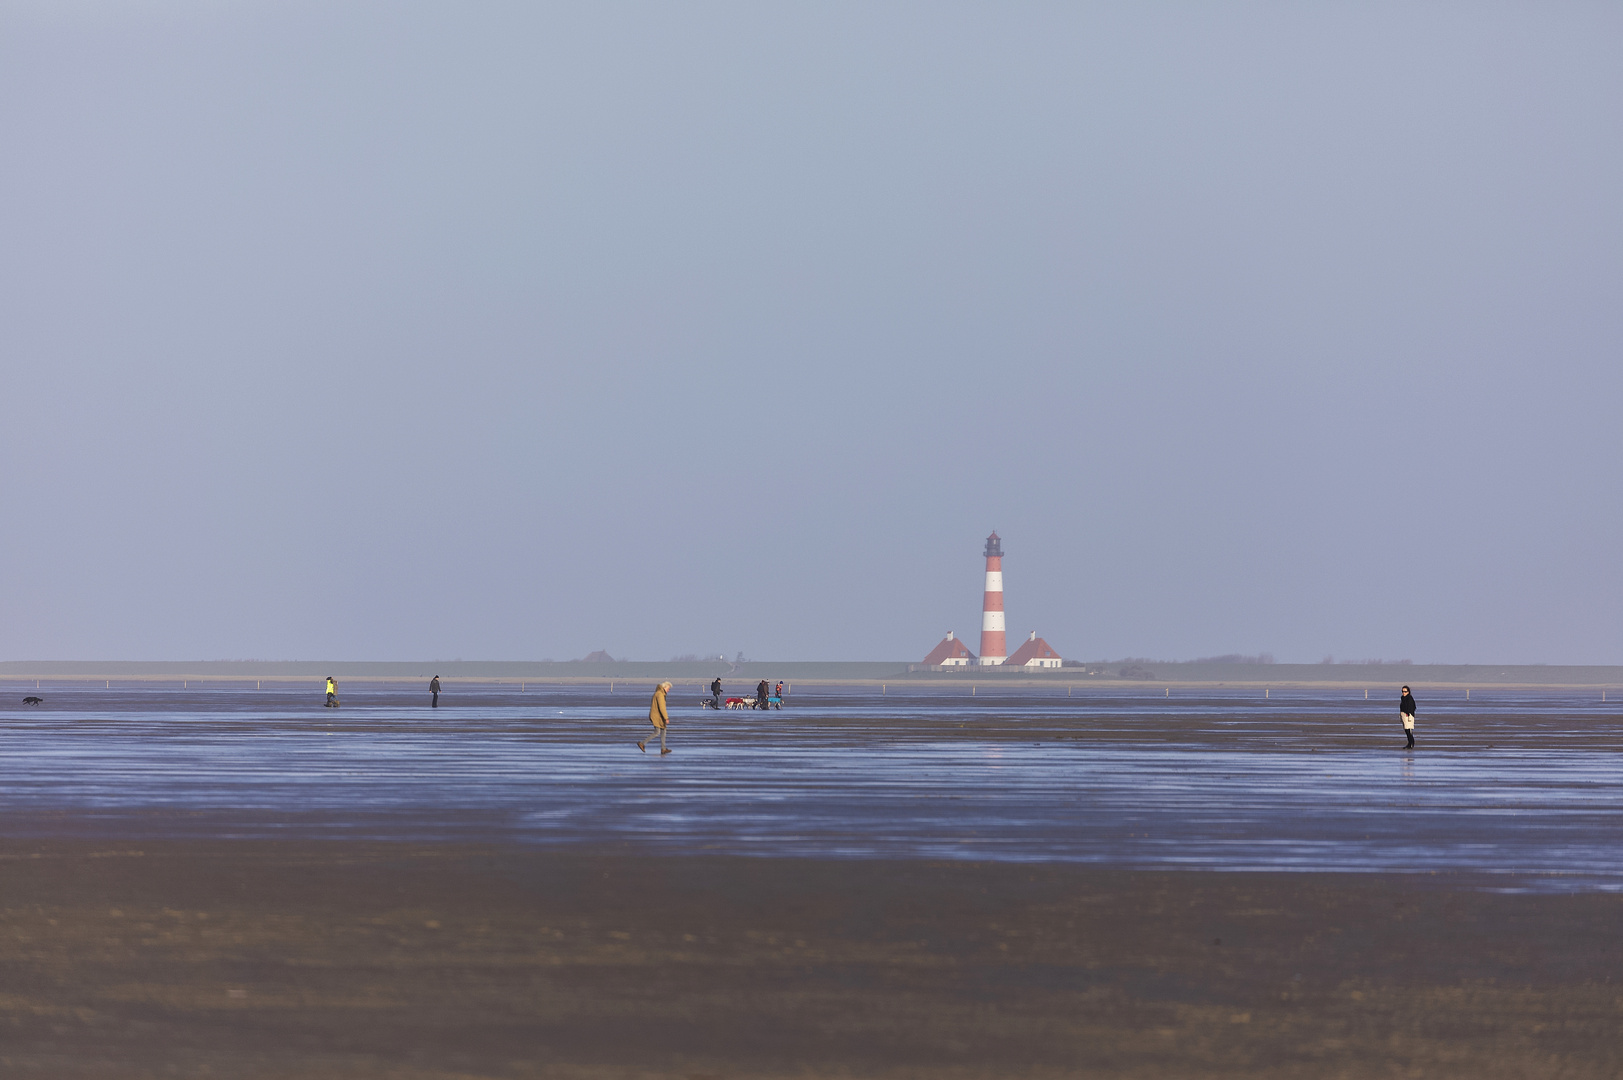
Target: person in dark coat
(715,693)
(434,688)
(1406,709)
(761,694)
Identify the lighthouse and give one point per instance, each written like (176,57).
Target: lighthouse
(993,648)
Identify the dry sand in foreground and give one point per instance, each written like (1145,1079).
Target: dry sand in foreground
(328,959)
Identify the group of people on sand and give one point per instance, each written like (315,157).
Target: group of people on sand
(764,694)
(659,710)
(332,692)
(659,713)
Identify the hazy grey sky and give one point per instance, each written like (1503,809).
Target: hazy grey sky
(509,331)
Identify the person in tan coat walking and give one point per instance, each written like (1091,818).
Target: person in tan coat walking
(659,716)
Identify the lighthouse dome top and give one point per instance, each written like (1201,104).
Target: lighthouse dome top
(994,547)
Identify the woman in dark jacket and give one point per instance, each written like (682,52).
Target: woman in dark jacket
(434,688)
(1406,714)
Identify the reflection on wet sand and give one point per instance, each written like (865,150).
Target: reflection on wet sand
(1528,786)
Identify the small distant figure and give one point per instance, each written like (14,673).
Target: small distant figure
(332,693)
(762,692)
(777,691)
(434,688)
(1406,709)
(659,716)
(32,700)
(715,693)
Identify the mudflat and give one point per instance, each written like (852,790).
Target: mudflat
(333,958)
(1517,784)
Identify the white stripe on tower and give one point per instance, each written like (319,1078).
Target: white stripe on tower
(994,649)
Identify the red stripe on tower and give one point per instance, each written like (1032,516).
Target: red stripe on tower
(994,649)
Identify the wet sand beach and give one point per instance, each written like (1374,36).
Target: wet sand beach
(243,885)
(321,958)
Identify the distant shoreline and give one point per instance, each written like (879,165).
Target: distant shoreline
(1103,675)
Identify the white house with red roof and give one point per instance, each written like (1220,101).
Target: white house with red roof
(1034,652)
(950,653)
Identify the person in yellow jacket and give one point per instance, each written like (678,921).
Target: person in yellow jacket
(659,716)
(332,693)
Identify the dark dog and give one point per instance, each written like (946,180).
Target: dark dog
(32,700)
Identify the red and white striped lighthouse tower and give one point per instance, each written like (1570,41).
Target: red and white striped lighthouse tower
(994,650)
